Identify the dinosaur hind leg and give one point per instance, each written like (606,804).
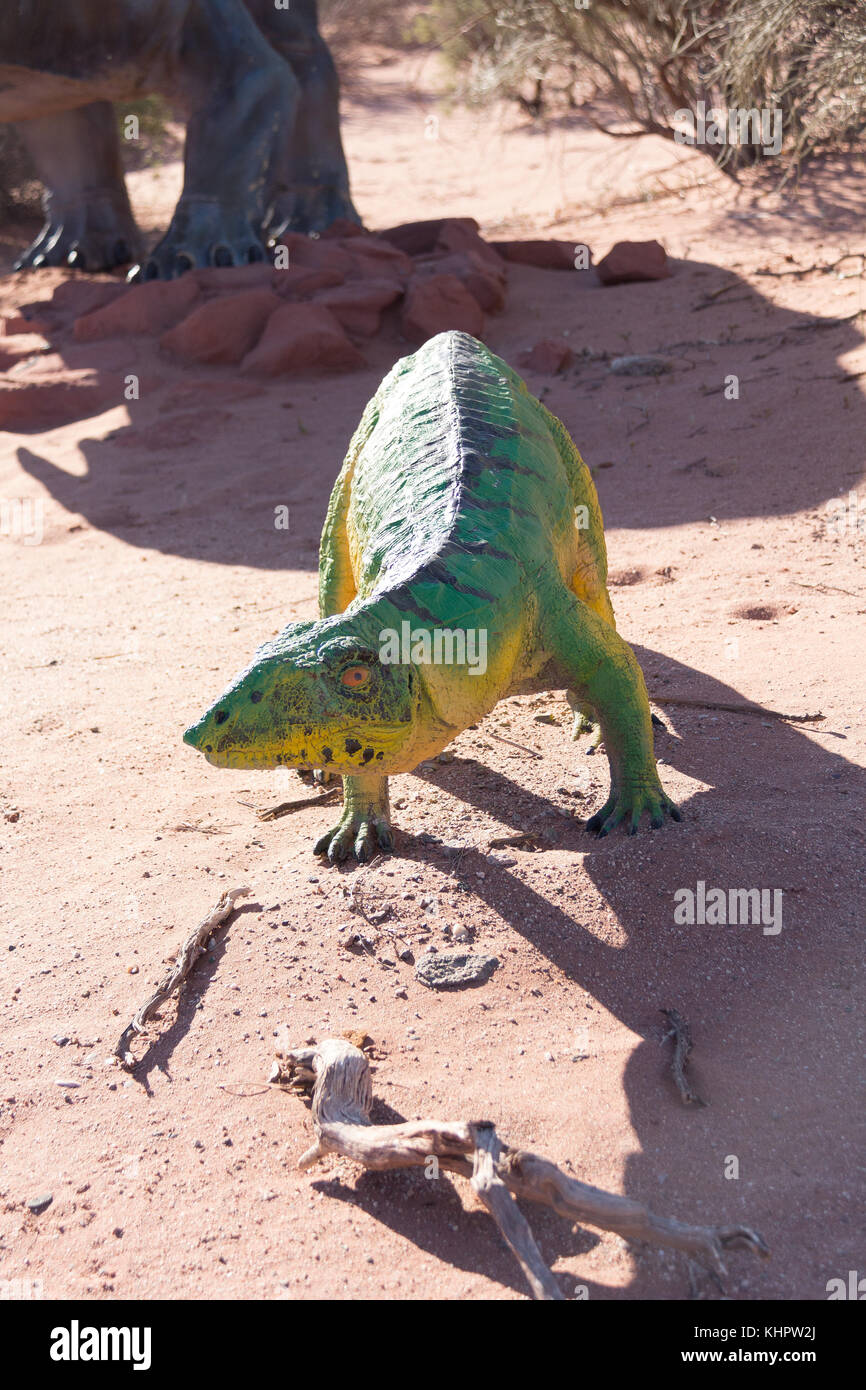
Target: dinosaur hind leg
(605,678)
(585,721)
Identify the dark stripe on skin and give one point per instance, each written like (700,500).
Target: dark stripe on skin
(438,571)
(403,598)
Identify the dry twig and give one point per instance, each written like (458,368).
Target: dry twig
(342,1096)
(682,1047)
(737,709)
(285,808)
(178,971)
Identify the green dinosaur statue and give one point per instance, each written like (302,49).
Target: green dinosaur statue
(462,561)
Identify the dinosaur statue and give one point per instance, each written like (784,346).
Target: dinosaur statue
(462,561)
(263,151)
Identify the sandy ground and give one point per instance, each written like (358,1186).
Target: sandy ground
(158,573)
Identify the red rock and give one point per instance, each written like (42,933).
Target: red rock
(147,308)
(375,257)
(358,305)
(84,296)
(633,260)
(17,324)
(342,227)
(41,401)
(484,281)
(298,338)
(420,238)
(436,303)
(461,234)
(316,253)
(233,277)
(548,356)
(415,238)
(547,255)
(299,282)
(223,329)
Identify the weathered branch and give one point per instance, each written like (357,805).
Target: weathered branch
(178,971)
(682,1040)
(341,1101)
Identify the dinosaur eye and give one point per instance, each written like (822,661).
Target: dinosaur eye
(355,676)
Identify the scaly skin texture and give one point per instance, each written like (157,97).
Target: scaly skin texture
(464,506)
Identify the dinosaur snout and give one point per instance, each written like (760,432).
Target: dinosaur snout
(208,733)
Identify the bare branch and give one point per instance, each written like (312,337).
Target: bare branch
(341,1101)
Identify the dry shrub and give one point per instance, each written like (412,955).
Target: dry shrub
(657,57)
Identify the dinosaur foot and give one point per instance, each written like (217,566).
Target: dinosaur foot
(202,233)
(362,834)
(94,234)
(310,208)
(630,805)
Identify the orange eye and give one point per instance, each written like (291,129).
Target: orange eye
(355,676)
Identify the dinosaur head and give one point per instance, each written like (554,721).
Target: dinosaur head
(317,696)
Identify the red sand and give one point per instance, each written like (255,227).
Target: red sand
(160,569)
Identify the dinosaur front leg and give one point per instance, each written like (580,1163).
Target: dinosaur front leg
(365,825)
(243,101)
(604,675)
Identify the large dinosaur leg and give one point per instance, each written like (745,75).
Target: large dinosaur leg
(309,185)
(243,98)
(88,220)
(602,671)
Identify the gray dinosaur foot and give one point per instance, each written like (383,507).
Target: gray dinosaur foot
(93,234)
(202,233)
(311,208)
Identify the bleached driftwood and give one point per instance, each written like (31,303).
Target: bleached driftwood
(341,1099)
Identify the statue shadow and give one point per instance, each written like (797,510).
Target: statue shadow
(158,1053)
(428,1212)
(185,476)
(771,1013)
